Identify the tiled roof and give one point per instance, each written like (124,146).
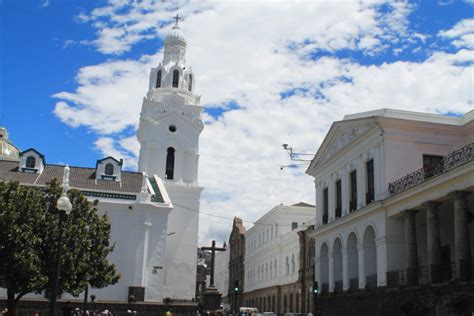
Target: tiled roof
(79,178)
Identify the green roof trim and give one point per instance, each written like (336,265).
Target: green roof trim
(157,197)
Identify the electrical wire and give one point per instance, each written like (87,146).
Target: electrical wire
(231,218)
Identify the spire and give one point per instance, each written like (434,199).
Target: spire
(175,45)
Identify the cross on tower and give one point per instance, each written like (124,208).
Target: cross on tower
(213,250)
(177,17)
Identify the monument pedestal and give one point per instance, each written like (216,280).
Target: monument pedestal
(211,299)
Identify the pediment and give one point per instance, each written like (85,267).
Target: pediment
(341,135)
(157,116)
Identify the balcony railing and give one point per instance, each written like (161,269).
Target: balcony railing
(455,159)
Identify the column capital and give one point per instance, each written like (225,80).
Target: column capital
(344,252)
(409,212)
(360,246)
(459,195)
(429,204)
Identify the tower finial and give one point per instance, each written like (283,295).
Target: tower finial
(177,17)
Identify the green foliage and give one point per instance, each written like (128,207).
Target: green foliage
(30,233)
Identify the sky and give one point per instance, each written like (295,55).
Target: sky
(73,74)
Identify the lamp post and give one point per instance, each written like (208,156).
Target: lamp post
(64,206)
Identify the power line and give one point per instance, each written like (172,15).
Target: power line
(231,218)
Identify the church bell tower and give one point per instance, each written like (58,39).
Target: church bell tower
(170,125)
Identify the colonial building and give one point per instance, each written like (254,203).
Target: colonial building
(221,276)
(395,210)
(272,259)
(170,125)
(137,205)
(236,264)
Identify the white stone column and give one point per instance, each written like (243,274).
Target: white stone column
(381,247)
(331,197)
(361,186)
(345,191)
(377,172)
(319,204)
(360,257)
(331,271)
(345,270)
(317,272)
(462,246)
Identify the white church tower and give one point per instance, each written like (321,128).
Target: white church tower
(170,125)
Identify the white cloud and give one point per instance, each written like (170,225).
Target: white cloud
(462,34)
(251,54)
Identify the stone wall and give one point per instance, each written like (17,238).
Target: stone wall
(443,300)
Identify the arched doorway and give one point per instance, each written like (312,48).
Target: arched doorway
(370,258)
(324,268)
(337,265)
(352,262)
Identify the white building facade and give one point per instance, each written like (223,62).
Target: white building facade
(272,255)
(170,125)
(391,191)
(137,205)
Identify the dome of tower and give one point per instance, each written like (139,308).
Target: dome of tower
(175,35)
(8,151)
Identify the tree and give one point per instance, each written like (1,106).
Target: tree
(85,242)
(20,264)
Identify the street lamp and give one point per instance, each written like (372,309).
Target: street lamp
(64,206)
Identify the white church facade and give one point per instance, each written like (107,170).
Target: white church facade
(394,190)
(154,213)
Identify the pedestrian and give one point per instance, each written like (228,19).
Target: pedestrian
(67,309)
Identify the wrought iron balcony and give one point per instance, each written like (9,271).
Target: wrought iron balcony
(453,160)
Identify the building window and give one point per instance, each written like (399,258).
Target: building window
(431,164)
(170,164)
(158,79)
(175,78)
(353,190)
(293,264)
(190,82)
(338,199)
(30,162)
(287,265)
(325,205)
(294,225)
(109,169)
(370,195)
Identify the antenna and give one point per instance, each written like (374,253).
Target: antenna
(295,156)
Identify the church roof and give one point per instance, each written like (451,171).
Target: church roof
(83,179)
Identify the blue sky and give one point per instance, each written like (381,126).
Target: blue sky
(73,74)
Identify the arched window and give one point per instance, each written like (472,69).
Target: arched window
(158,79)
(170,163)
(109,169)
(175,78)
(30,162)
(190,82)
